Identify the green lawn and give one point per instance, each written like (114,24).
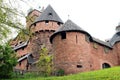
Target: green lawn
(106,74)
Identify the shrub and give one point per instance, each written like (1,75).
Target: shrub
(60,72)
(7,61)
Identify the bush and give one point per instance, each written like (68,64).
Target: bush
(60,72)
(44,63)
(7,61)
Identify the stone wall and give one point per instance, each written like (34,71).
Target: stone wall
(75,54)
(71,54)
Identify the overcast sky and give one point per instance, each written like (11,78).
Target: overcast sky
(97,17)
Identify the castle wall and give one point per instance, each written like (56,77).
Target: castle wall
(23,51)
(22,65)
(39,40)
(72,54)
(102,54)
(116,49)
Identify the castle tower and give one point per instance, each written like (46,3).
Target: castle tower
(116,37)
(43,27)
(71,50)
(32,15)
(48,20)
(115,42)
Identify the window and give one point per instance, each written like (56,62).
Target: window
(87,38)
(105,65)
(106,50)
(27,65)
(19,63)
(63,35)
(95,45)
(34,24)
(79,66)
(50,14)
(20,42)
(58,23)
(46,22)
(23,48)
(76,39)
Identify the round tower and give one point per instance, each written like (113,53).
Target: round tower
(70,49)
(43,27)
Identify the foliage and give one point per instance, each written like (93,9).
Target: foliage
(8,19)
(24,34)
(60,72)
(105,74)
(44,63)
(7,61)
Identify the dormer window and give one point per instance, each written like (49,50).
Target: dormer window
(50,14)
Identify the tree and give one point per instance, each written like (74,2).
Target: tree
(8,19)
(7,61)
(44,63)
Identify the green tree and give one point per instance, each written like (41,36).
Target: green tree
(44,63)
(8,19)
(7,61)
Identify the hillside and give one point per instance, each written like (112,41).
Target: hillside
(106,74)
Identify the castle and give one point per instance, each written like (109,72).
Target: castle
(74,49)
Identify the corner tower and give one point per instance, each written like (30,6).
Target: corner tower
(71,51)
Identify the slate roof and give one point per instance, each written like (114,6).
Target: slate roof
(115,38)
(101,42)
(19,46)
(28,57)
(68,27)
(48,14)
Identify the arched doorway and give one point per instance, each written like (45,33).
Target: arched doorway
(105,65)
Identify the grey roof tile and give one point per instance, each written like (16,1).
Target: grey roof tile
(115,39)
(48,14)
(68,26)
(19,46)
(28,57)
(101,42)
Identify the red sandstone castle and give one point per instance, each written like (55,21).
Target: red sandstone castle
(74,49)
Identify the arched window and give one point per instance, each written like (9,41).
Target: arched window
(105,65)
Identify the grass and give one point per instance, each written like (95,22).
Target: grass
(105,74)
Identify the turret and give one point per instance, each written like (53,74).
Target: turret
(48,20)
(70,49)
(43,27)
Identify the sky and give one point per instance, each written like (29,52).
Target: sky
(97,17)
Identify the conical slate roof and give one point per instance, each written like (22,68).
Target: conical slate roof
(115,38)
(68,27)
(48,14)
